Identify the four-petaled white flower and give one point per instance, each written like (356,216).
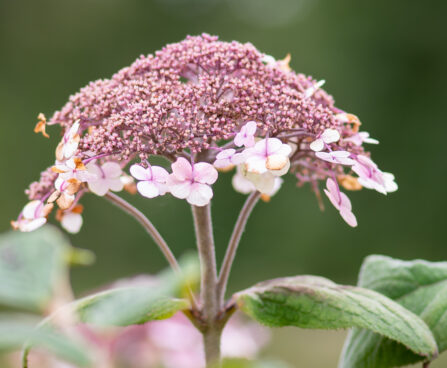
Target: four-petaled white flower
(32,216)
(246,136)
(228,158)
(340,201)
(192,181)
(152,180)
(268,155)
(328,136)
(361,137)
(371,177)
(69,144)
(105,177)
(336,157)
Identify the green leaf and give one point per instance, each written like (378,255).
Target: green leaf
(419,286)
(16,330)
(30,266)
(318,303)
(129,306)
(159,299)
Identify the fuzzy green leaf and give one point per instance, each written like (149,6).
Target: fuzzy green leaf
(129,306)
(318,303)
(30,266)
(16,330)
(419,286)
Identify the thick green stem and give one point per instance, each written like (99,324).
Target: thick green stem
(211,307)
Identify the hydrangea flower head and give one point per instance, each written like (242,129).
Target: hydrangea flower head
(198,103)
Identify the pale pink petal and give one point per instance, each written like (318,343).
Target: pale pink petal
(32,210)
(272,145)
(140,173)
(31,225)
(333,198)
(178,188)
(332,186)
(225,154)
(70,148)
(355,139)
(349,217)
(94,169)
(330,136)
(251,127)
(340,154)
(345,202)
(111,169)
(317,145)
(390,184)
(205,173)
(159,174)
(284,150)
(98,187)
(115,184)
(73,130)
(242,184)
(367,139)
(72,222)
(265,183)
(148,189)
(238,158)
(222,164)
(200,195)
(239,140)
(182,169)
(256,164)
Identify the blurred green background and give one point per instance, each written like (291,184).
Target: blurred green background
(384,61)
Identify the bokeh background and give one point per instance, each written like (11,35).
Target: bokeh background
(384,61)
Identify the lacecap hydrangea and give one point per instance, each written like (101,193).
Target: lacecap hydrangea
(208,107)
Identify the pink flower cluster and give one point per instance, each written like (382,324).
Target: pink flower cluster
(203,104)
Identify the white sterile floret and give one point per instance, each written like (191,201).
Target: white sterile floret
(328,136)
(152,180)
(336,157)
(72,222)
(32,216)
(361,137)
(105,177)
(245,182)
(268,155)
(228,158)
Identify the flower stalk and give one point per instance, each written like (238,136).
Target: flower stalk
(233,244)
(210,302)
